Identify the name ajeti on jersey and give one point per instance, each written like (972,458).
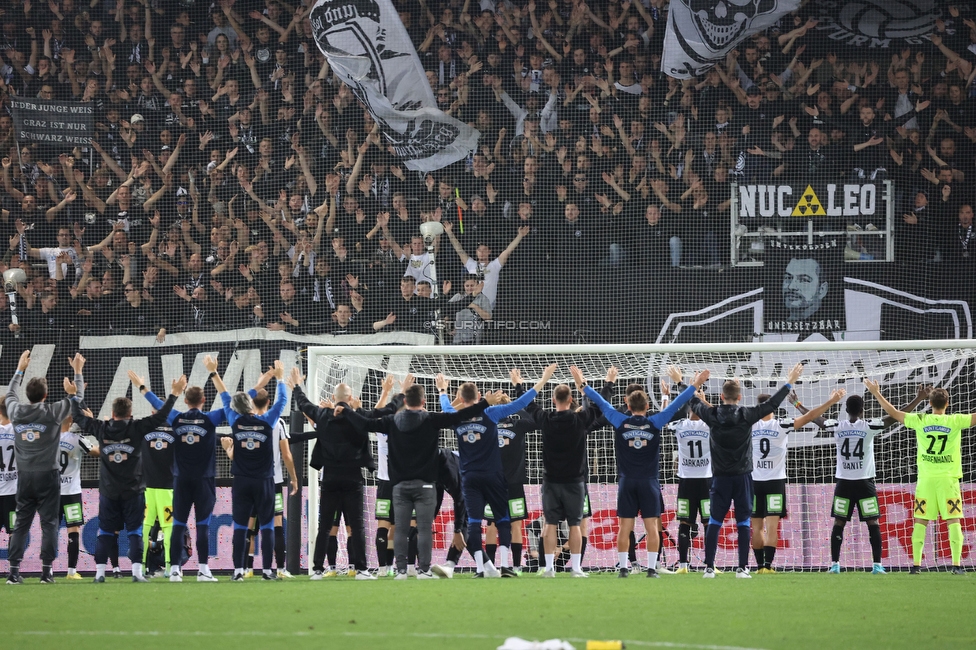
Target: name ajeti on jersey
(694,453)
(855,447)
(769,438)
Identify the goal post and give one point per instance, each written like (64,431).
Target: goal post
(900,366)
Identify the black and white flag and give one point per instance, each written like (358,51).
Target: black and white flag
(369,50)
(701,32)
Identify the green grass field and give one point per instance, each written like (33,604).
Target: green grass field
(855,610)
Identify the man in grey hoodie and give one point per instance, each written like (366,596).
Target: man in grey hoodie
(37,436)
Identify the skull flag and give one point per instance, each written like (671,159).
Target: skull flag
(369,50)
(701,32)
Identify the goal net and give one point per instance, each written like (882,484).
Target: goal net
(900,366)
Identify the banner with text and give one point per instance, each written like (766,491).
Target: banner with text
(809,201)
(47,121)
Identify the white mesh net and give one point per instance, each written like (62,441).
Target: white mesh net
(804,533)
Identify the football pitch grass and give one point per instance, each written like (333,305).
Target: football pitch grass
(787,610)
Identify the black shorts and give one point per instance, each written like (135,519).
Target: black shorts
(859,493)
(252,496)
(384,501)
(517,510)
(693,500)
(8,512)
(115,515)
(563,501)
(729,490)
(769,498)
(638,495)
(72,511)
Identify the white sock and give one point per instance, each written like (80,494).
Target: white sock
(623,560)
(238,572)
(267,572)
(479,559)
(411,567)
(450,564)
(99,570)
(72,571)
(504,555)
(575,559)
(550,561)
(204,570)
(137,569)
(682,565)
(651,560)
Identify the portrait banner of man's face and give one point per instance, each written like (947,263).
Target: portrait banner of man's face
(803,292)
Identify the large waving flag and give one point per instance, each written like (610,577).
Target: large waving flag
(701,32)
(369,50)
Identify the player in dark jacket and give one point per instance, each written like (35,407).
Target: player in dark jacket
(121,498)
(730,440)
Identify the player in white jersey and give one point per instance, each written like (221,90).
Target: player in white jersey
(385,523)
(769,441)
(74,446)
(8,471)
(694,480)
(854,440)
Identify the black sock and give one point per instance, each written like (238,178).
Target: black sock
(453,554)
(760,557)
(632,548)
(684,542)
(74,547)
(113,551)
(874,533)
(660,548)
(412,546)
(836,539)
(770,552)
(279,549)
(516,554)
(332,550)
(582,550)
(249,549)
(382,537)
(390,557)
(490,551)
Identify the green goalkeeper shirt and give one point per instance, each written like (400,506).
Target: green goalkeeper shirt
(939,443)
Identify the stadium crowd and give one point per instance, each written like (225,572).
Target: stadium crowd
(233,182)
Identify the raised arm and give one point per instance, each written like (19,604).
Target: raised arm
(522,232)
(875,389)
(501,411)
(210,364)
(815,413)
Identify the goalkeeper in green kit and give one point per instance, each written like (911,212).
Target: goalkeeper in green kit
(937,492)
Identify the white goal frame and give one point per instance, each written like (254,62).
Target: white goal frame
(315,352)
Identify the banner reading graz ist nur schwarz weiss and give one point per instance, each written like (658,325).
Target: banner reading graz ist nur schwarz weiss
(41,120)
(369,50)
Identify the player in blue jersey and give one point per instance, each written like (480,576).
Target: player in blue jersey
(194,476)
(252,456)
(482,476)
(637,446)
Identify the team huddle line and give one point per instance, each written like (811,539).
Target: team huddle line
(154,470)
